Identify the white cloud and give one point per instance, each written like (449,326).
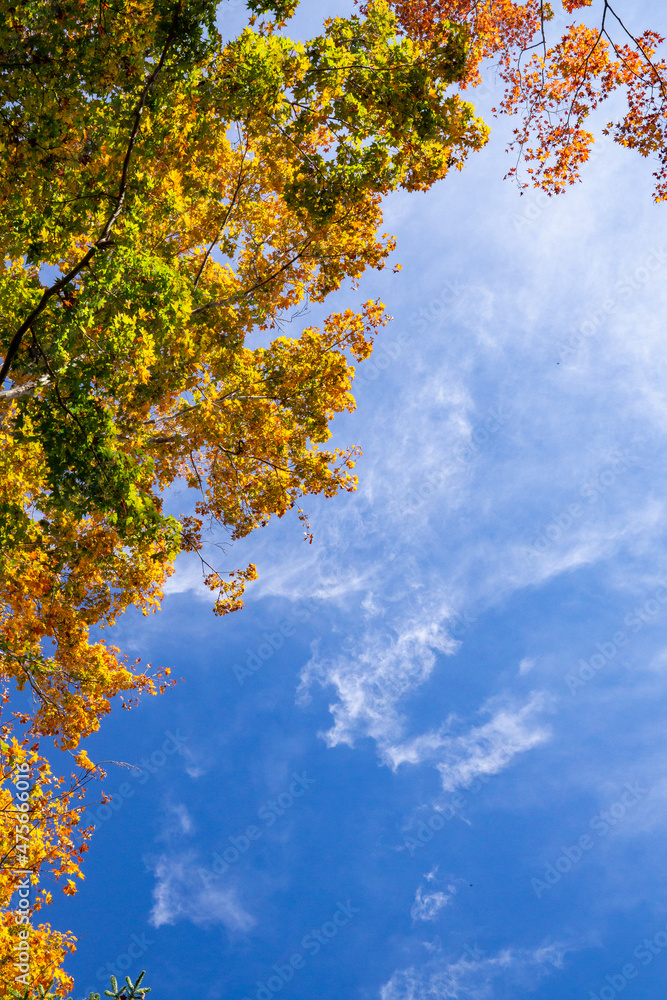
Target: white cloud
(382,668)
(483,750)
(187,578)
(180,894)
(182,821)
(427,905)
(472,977)
(488,749)
(194,771)
(177,822)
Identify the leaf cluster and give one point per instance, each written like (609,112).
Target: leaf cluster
(171,203)
(554,79)
(186,193)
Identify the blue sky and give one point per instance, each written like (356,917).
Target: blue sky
(444,775)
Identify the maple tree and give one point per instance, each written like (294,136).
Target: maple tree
(167,196)
(40,838)
(187,192)
(555,79)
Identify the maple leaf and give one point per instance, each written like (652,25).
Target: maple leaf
(553,84)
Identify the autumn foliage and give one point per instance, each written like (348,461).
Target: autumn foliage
(186,194)
(43,844)
(557,64)
(170,204)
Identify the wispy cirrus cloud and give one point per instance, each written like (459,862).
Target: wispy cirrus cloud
(429,900)
(382,669)
(470,978)
(427,905)
(370,681)
(180,894)
(482,750)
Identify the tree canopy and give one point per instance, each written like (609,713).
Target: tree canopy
(166,195)
(183,193)
(557,66)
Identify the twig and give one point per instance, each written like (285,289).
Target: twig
(103,240)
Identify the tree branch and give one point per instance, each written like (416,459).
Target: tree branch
(253,288)
(103,240)
(19,391)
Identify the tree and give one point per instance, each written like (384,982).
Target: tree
(183,193)
(126,991)
(554,84)
(40,838)
(166,196)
